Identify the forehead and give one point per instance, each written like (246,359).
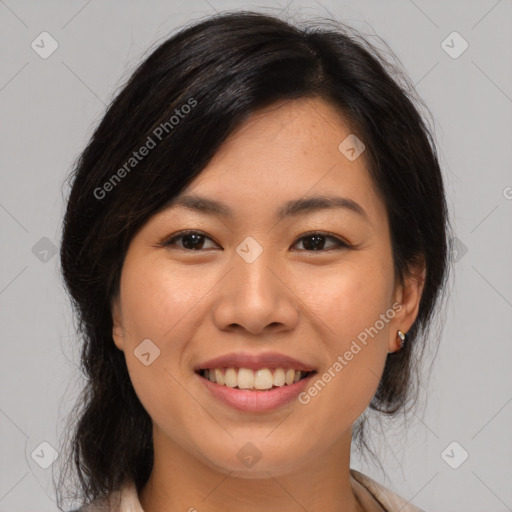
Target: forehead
(284,152)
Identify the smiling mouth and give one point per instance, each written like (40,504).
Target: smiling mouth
(263,379)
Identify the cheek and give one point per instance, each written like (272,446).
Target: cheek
(347,299)
(349,303)
(158,301)
(158,304)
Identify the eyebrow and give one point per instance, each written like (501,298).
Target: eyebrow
(292,208)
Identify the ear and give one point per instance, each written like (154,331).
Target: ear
(408,294)
(117,328)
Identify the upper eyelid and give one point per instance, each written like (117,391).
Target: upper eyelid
(167,240)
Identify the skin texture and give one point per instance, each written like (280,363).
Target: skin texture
(197,304)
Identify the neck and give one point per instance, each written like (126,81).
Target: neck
(181,481)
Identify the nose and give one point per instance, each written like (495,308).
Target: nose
(256,297)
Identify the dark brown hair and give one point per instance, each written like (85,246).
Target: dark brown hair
(193,90)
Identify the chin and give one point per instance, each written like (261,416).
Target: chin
(257,460)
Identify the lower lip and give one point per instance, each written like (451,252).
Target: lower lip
(256,401)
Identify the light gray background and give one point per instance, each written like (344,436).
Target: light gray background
(48,110)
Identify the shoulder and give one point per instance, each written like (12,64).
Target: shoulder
(390,501)
(122,500)
(98,505)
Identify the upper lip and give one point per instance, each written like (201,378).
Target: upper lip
(254,362)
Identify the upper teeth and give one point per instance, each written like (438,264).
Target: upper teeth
(246,378)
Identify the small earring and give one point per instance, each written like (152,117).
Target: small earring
(403,338)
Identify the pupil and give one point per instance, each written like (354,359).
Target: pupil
(317,242)
(195,238)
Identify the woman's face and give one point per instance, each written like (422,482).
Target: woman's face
(256,287)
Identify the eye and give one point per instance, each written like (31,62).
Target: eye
(193,240)
(315,241)
(190,240)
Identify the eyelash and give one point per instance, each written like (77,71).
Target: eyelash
(339,244)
